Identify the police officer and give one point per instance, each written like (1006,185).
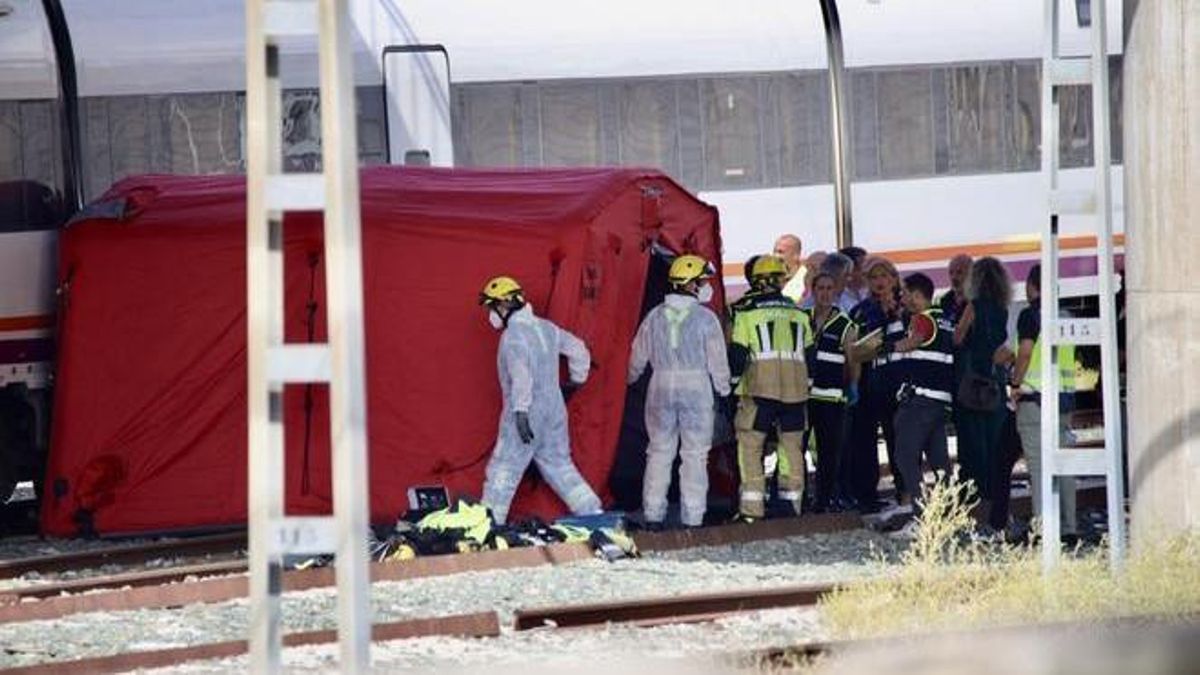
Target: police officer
(767,351)
(876,406)
(926,377)
(829,370)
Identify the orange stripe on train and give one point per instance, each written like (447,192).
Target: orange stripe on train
(34,322)
(943,253)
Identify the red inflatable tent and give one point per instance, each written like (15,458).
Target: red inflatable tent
(149,429)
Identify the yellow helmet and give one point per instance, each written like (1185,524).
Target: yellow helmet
(688,268)
(765,267)
(501,288)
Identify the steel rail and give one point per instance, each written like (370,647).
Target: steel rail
(482,624)
(138,553)
(669,610)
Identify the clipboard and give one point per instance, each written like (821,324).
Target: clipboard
(868,337)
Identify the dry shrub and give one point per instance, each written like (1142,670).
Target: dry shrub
(947,581)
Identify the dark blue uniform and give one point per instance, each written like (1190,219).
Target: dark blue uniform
(926,377)
(827,399)
(875,409)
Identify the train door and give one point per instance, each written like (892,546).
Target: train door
(416,91)
(39,189)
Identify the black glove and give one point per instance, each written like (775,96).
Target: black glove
(568,389)
(523,429)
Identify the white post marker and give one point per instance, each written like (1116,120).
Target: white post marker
(1057,462)
(271,362)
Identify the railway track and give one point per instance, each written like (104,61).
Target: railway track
(43,602)
(484,624)
(1182,633)
(669,610)
(226,580)
(135,554)
(223,580)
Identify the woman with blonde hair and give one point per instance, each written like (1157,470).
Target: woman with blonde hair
(872,402)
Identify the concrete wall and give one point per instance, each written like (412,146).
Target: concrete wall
(1162,200)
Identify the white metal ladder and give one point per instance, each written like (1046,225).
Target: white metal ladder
(272,363)
(1058,462)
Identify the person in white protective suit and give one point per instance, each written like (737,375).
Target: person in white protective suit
(684,345)
(533,421)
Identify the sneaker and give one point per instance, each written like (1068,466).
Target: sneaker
(906,533)
(745,519)
(894,510)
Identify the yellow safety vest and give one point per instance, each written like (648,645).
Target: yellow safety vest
(1066,367)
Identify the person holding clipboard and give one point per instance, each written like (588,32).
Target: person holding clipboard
(874,406)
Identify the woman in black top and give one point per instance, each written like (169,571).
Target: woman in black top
(982,330)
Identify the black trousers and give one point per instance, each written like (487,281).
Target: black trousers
(828,420)
(862,448)
(1001,470)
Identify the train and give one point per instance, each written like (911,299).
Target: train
(730,99)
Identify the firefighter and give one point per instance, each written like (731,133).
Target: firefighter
(533,421)
(683,343)
(770,335)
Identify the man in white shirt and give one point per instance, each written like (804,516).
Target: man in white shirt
(790,249)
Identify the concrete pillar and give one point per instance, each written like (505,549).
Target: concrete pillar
(1162,216)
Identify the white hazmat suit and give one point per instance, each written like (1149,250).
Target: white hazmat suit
(528,366)
(683,343)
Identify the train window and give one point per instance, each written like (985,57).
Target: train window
(972,100)
(732,132)
(1114,106)
(372,139)
(864,124)
(905,123)
(1026,129)
(649,126)
(691,135)
(489,129)
(29,141)
(570,115)
(1075,127)
(800,105)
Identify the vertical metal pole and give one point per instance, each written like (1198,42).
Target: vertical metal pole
(347,396)
(1109,368)
(68,96)
(839,121)
(264,327)
(1049,312)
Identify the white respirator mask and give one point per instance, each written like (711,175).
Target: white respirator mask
(705,294)
(496,320)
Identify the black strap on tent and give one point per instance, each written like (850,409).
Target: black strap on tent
(313,259)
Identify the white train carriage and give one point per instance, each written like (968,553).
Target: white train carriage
(732,99)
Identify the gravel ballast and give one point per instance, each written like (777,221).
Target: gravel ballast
(810,559)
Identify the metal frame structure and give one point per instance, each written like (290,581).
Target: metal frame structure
(273,363)
(68,95)
(1059,462)
(839,115)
